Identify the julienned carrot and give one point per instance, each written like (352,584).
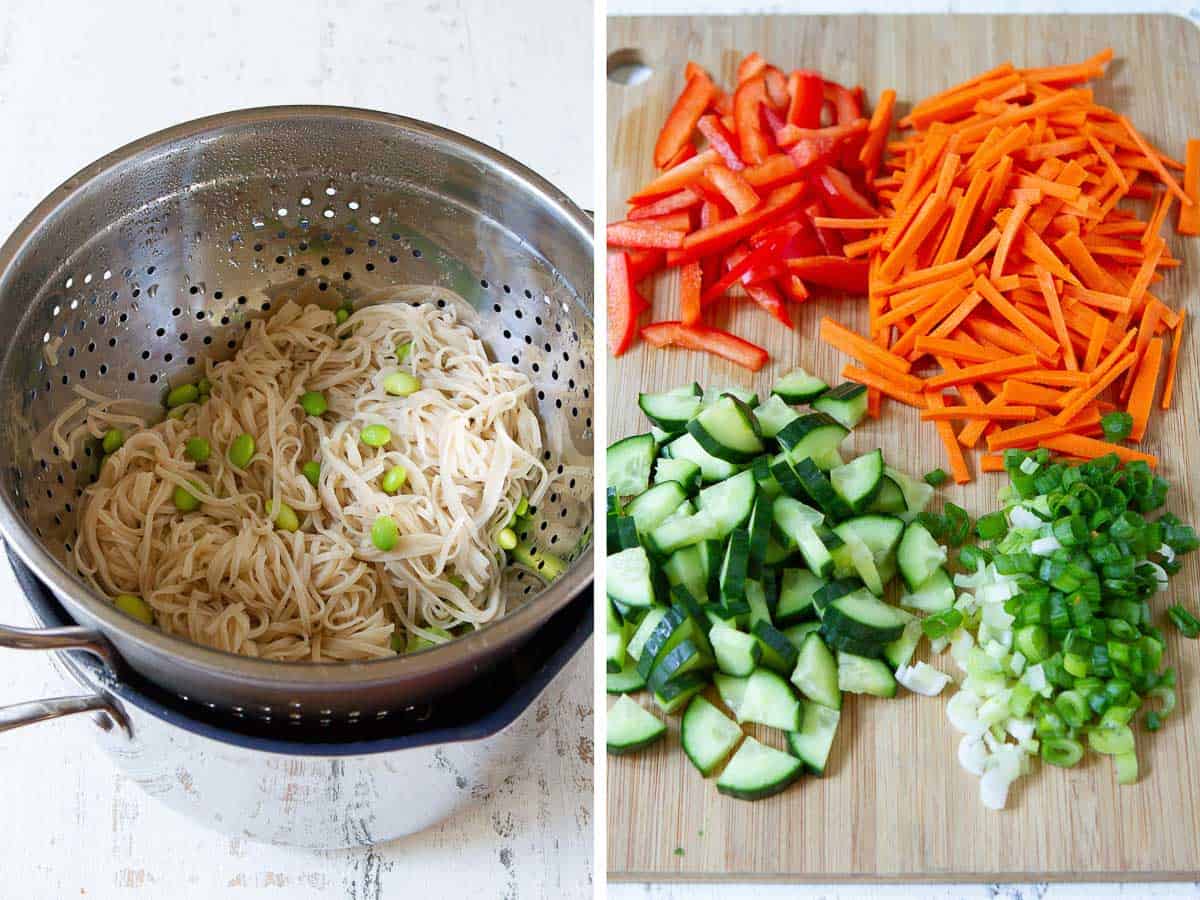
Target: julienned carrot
(991,462)
(1189,216)
(1090,448)
(1141,394)
(981,371)
(998,413)
(1087,395)
(958,463)
(1173,362)
(1029,434)
(859,347)
(1022,392)
(885,384)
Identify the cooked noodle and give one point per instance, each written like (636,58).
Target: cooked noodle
(225,576)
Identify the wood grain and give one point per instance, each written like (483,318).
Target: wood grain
(895,804)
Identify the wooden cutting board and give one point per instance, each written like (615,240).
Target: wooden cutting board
(895,804)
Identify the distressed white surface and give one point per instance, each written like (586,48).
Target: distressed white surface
(726,891)
(78,79)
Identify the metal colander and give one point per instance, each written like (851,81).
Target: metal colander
(163,253)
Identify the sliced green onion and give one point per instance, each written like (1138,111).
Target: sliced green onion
(403,351)
(992,527)
(458,581)
(197,449)
(113,439)
(185,393)
(396,642)
(241,451)
(941,624)
(1127,767)
(507,539)
(1111,739)
(1183,620)
(936,478)
(376,435)
(401,384)
(393,479)
(1116,425)
(134,606)
(313,403)
(1062,752)
(384,533)
(312,471)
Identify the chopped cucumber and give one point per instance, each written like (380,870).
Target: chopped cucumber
(918,555)
(737,653)
(758,771)
(814,436)
(796,596)
(860,675)
(627,577)
(933,595)
(816,673)
(858,482)
(672,410)
(770,701)
(773,416)
(798,387)
(683,471)
(711,469)
(728,430)
(708,736)
(846,403)
(630,727)
(812,742)
(650,508)
(628,463)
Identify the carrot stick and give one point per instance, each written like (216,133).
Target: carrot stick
(982,370)
(960,313)
(1028,435)
(994,413)
(958,464)
(1053,377)
(853,224)
(1007,236)
(884,384)
(1141,394)
(1042,342)
(991,462)
(877,132)
(1019,392)
(1095,344)
(957,349)
(1046,283)
(1111,360)
(1173,362)
(1159,169)
(1146,331)
(859,347)
(1189,216)
(1087,395)
(927,320)
(1090,448)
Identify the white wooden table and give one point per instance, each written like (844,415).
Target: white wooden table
(726,891)
(78,79)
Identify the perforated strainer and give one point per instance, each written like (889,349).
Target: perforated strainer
(163,252)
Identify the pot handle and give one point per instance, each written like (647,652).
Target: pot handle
(73,637)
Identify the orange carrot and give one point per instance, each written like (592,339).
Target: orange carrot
(994,413)
(991,462)
(1141,395)
(1095,344)
(1028,435)
(1173,362)
(958,463)
(1018,392)
(1189,216)
(1090,448)
(885,384)
(983,370)
(1148,152)
(1050,295)
(1087,395)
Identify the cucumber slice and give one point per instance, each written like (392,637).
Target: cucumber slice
(900,651)
(846,403)
(756,599)
(917,494)
(863,617)
(816,485)
(773,416)
(627,680)
(793,520)
(672,410)
(732,690)
(797,633)
(627,575)
(613,502)
(714,395)
(711,469)
(862,563)
(730,502)
(728,430)
(798,387)
(796,597)
(777,553)
(890,498)
(645,628)
(683,659)
(733,567)
(815,436)
(858,482)
(630,727)
(615,639)
(816,673)
(707,735)
(778,653)
(881,534)
(675,627)
(759,531)
(674,695)
(815,552)
(733,616)
(918,555)
(933,595)
(830,591)
(683,531)
(737,653)
(685,567)
(770,701)
(767,484)
(785,476)
(758,771)
(811,744)
(650,508)
(683,471)
(860,675)
(622,533)
(628,462)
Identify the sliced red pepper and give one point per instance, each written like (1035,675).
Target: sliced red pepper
(847,104)
(750,66)
(794,287)
(622,308)
(681,121)
(775,120)
(692,69)
(808,94)
(711,340)
(812,146)
(762,293)
(837,272)
(841,196)
(685,199)
(682,176)
(690,277)
(759,258)
(831,241)
(643,263)
(776,169)
(641,235)
(710,214)
(722,140)
(777,89)
(728,232)
(747,102)
(676,221)
(686,152)
(734,188)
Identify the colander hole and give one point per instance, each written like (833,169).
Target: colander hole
(176,311)
(507,334)
(91,347)
(207,339)
(150,270)
(191,360)
(241,301)
(537,320)
(528,340)
(353,204)
(107,275)
(330,191)
(528,294)
(265,307)
(546,347)
(200,315)
(69,282)
(258,248)
(160,331)
(103,369)
(71,352)
(535,366)
(558,403)
(224,320)
(112,342)
(374,220)
(541,395)
(136,292)
(279,259)
(324,260)
(145,354)
(327,213)
(301,272)
(194,289)
(321,285)
(123,318)
(57,309)
(303,246)
(370,267)
(153,378)
(217,295)
(416,253)
(305,200)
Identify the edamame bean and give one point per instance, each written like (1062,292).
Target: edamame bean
(242,450)
(113,439)
(185,393)
(197,449)
(185,501)
(204,386)
(384,533)
(312,471)
(507,539)
(376,435)
(396,642)
(522,506)
(393,479)
(286,518)
(402,351)
(314,403)
(401,384)
(341,315)
(135,606)
(177,413)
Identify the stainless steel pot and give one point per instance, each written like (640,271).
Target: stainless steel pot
(353,789)
(164,250)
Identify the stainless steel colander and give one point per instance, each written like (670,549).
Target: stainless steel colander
(164,251)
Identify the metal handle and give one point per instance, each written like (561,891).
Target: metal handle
(71,637)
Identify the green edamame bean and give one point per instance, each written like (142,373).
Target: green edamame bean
(507,539)
(401,384)
(185,501)
(197,449)
(177,413)
(242,450)
(522,506)
(376,435)
(393,479)
(312,471)
(185,393)
(384,533)
(204,386)
(113,439)
(314,403)
(286,518)
(134,606)
(341,315)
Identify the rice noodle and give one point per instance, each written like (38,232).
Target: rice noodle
(225,576)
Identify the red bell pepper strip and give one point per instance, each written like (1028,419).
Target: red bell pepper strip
(686,152)
(778,97)
(710,340)
(692,69)
(734,188)
(690,278)
(747,102)
(774,120)
(622,305)
(812,146)
(728,232)
(685,199)
(761,256)
(643,263)
(776,169)
(682,176)
(841,196)
(800,238)
(750,66)
(720,139)
(808,95)
(764,294)
(710,214)
(641,235)
(837,272)
(847,103)
(681,121)
(794,287)
(676,221)
(830,240)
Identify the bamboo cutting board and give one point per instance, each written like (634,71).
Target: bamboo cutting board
(895,804)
